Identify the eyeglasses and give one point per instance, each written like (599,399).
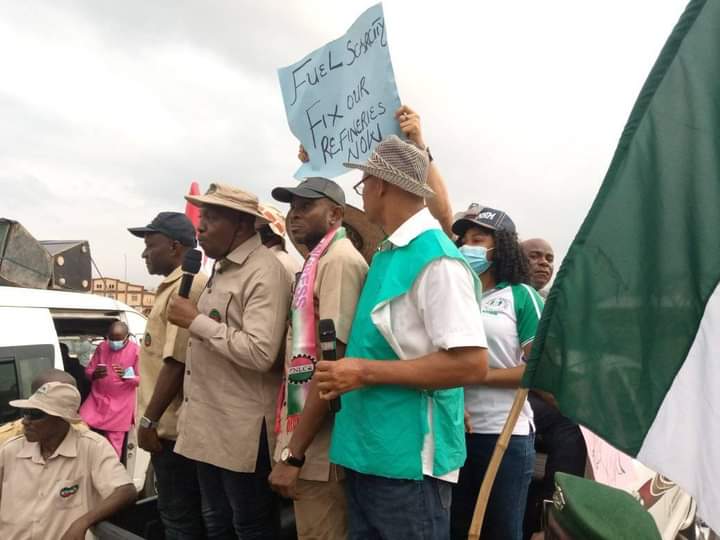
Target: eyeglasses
(360,186)
(33,414)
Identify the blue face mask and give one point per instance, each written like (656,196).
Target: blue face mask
(116,345)
(476,256)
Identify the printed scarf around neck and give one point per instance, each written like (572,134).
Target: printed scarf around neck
(304,336)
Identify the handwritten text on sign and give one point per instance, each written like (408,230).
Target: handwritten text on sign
(340,100)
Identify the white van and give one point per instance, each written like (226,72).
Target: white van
(33,323)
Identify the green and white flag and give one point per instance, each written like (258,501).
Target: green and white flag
(629,342)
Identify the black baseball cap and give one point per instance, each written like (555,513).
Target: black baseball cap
(174,225)
(311,188)
(482,216)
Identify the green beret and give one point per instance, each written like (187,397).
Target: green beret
(592,511)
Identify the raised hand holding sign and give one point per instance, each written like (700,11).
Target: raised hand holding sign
(340,100)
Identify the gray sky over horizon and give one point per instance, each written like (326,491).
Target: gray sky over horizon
(110,109)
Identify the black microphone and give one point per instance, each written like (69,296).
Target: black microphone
(328,344)
(190,266)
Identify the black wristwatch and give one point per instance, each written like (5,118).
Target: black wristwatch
(287,458)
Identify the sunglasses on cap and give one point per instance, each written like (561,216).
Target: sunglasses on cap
(33,414)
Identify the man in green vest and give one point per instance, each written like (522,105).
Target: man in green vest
(416,339)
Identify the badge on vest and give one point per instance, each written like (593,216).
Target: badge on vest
(215,315)
(148,339)
(69,491)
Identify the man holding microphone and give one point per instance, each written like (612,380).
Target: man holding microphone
(162,361)
(233,371)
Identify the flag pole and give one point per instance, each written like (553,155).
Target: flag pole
(489,479)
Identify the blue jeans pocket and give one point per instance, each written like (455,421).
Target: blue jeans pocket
(444,490)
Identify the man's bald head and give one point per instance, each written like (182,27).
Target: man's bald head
(52,375)
(119,329)
(541,259)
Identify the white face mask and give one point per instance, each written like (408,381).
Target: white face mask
(476,256)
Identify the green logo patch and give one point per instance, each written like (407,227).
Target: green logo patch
(148,339)
(69,491)
(215,315)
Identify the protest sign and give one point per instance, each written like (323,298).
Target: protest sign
(340,100)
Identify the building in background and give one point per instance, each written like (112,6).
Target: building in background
(135,296)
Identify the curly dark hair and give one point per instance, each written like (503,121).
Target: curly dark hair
(509,262)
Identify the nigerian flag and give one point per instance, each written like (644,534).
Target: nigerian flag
(629,342)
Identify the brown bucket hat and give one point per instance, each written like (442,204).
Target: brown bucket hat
(400,163)
(275,219)
(229,197)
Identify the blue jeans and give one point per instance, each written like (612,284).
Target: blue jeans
(178,494)
(390,509)
(506,508)
(239,505)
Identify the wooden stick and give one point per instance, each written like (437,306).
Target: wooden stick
(494,465)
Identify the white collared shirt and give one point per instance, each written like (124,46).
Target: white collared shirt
(440,311)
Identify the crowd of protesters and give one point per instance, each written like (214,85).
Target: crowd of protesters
(433,318)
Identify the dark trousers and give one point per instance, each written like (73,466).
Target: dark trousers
(240,506)
(178,494)
(561,439)
(382,508)
(505,510)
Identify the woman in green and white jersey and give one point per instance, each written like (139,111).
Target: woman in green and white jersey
(510,312)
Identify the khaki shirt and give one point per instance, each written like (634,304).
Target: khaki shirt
(40,499)
(164,340)
(233,368)
(10,430)
(339,280)
(291,264)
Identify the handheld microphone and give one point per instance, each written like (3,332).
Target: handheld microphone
(328,344)
(190,266)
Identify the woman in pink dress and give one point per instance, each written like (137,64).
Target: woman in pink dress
(113,370)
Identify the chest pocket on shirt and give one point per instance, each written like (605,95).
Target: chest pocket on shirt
(215,305)
(67,494)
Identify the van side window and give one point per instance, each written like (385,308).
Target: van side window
(19,365)
(9,389)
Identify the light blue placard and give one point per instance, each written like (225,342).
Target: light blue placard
(341,99)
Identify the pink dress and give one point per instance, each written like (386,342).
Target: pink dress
(111,403)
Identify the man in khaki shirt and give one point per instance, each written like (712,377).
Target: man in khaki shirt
(303,470)
(15,428)
(55,481)
(233,369)
(162,362)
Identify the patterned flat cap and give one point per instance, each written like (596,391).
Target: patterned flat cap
(400,163)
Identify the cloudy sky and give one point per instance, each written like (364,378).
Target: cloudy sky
(110,109)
